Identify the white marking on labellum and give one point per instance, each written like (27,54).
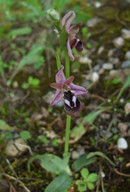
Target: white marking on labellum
(67,102)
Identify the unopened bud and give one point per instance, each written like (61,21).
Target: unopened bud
(52,15)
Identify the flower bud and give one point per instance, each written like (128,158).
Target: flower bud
(52,15)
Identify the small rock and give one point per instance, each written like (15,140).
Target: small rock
(125,33)
(15,84)
(107,66)
(100,50)
(111,52)
(98,4)
(114,61)
(122,127)
(118,42)
(122,143)
(122,100)
(75,155)
(127,108)
(85,60)
(96,68)
(105,116)
(125,64)
(127,55)
(94,77)
(16,147)
(80,151)
(93,22)
(102,174)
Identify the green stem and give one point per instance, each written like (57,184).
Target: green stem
(58,60)
(67,132)
(67,65)
(68,117)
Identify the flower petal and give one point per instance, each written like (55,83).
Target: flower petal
(78,90)
(69,49)
(56,85)
(57,97)
(67,20)
(69,80)
(60,78)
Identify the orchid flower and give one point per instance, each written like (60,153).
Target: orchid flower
(67,92)
(72,41)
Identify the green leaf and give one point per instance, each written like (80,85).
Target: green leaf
(59,184)
(84,173)
(98,153)
(51,163)
(25,135)
(20,31)
(4,126)
(77,132)
(82,185)
(116,81)
(92,177)
(81,162)
(91,117)
(91,186)
(126,84)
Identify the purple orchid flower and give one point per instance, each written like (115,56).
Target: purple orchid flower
(67,92)
(72,41)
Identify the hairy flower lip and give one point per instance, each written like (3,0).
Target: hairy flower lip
(63,85)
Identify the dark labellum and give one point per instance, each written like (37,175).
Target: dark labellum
(79,45)
(72,105)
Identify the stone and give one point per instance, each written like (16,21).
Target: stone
(125,33)
(107,66)
(93,22)
(96,68)
(118,42)
(127,108)
(127,55)
(122,127)
(100,50)
(122,143)
(94,77)
(85,60)
(114,61)
(125,64)
(16,147)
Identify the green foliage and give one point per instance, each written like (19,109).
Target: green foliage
(125,85)
(88,180)
(51,163)
(88,159)
(25,135)
(4,126)
(20,31)
(60,5)
(55,142)
(32,83)
(60,183)
(43,139)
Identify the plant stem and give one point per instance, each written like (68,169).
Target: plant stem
(58,60)
(67,132)
(68,117)
(67,65)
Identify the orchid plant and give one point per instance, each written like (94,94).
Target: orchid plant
(67,91)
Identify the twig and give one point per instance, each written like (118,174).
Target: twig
(122,174)
(12,187)
(17,178)
(102,183)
